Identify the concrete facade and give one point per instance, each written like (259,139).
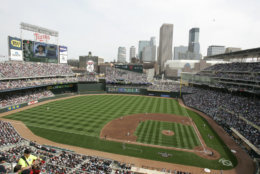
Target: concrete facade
(142,44)
(132,53)
(165,45)
(215,49)
(232,49)
(121,55)
(149,54)
(179,51)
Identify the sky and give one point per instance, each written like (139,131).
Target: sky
(101,26)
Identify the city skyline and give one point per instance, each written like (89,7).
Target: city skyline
(98,26)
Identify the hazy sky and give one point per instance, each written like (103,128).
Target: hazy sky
(101,26)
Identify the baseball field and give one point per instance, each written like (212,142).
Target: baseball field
(139,126)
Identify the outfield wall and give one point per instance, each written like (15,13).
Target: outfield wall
(141,91)
(14,107)
(60,90)
(90,87)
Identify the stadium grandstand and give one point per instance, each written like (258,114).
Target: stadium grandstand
(221,98)
(54,159)
(229,94)
(120,76)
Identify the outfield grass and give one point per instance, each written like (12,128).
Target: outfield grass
(150,132)
(78,121)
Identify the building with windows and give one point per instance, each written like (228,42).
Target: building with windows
(194,45)
(179,52)
(132,53)
(215,49)
(147,50)
(142,44)
(149,54)
(232,49)
(165,45)
(121,55)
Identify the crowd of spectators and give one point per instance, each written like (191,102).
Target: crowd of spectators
(56,161)
(96,165)
(8,135)
(88,78)
(115,75)
(235,71)
(30,69)
(169,86)
(24,97)
(126,86)
(23,83)
(229,109)
(235,67)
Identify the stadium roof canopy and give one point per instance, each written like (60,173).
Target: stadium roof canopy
(34,28)
(243,54)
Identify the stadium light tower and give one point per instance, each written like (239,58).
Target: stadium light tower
(37,29)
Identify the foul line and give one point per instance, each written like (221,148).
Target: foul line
(195,128)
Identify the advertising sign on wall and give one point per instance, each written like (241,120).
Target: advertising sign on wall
(15,48)
(10,108)
(123,90)
(135,68)
(15,43)
(16,54)
(63,54)
(32,102)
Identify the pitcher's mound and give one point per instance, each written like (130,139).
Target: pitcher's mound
(167,132)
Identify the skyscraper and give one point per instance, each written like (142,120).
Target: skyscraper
(194,45)
(149,54)
(121,56)
(147,50)
(132,53)
(152,41)
(179,51)
(165,45)
(141,46)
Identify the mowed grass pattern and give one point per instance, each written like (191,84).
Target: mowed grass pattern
(149,132)
(78,122)
(86,115)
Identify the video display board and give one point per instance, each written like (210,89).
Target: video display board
(40,52)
